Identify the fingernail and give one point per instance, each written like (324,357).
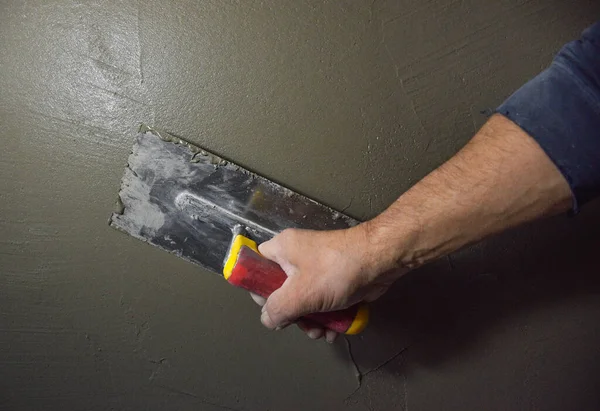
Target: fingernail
(330,336)
(313,334)
(265,319)
(282,326)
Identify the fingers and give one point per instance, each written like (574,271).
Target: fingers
(314,331)
(293,299)
(282,249)
(330,336)
(272,249)
(300,294)
(286,304)
(258,299)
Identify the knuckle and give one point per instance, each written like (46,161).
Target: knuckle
(287,235)
(295,303)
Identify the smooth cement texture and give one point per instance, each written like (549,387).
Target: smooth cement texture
(349,102)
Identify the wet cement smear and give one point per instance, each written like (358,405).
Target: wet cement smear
(137,198)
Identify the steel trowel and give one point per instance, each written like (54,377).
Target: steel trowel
(209,211)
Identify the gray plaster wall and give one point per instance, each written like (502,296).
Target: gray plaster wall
(349,102)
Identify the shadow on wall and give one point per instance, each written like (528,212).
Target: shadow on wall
(440,311)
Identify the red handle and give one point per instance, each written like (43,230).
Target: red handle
(262,276)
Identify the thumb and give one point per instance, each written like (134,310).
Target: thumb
(272,250)
(286,304)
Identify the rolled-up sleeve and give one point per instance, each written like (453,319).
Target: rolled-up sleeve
(560,109)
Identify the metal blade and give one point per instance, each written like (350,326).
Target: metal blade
(186,200)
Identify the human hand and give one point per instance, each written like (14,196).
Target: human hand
(327,271)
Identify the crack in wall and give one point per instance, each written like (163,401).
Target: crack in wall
(348,206)
(158,369)
(386,362)
(357,373)
(360,376)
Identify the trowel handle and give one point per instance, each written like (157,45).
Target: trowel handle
(255,273)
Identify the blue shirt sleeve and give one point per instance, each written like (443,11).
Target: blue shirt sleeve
(560,109)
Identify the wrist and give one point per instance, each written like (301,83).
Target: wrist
(385,244)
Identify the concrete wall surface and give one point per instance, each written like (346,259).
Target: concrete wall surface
(349,102)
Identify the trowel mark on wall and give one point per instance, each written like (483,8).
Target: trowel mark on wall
(445,63)
(382,25)
(139,42)
(98,51)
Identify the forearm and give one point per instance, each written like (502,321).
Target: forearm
(500,179)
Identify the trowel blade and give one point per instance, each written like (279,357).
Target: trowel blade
(186,200)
